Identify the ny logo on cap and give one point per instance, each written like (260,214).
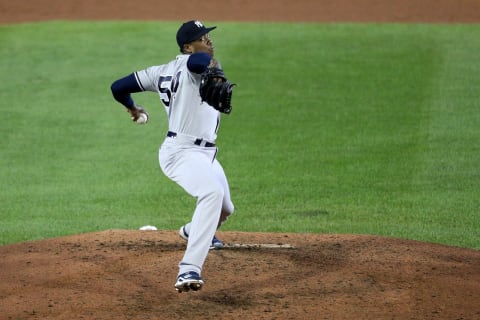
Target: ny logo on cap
(199,24)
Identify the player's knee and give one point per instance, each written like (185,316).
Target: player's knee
(215,194)
(218,193)
(228,207)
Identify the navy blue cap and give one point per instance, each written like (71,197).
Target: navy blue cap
(191,31)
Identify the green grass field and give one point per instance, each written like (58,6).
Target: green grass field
(336,128)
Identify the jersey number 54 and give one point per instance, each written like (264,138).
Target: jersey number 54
(168,85)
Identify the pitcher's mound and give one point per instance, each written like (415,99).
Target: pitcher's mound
(119,274)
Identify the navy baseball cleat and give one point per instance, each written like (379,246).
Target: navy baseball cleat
(189,280)
(216,243)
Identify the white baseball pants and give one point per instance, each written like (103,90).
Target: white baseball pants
(199,173)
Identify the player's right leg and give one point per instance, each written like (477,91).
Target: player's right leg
(192,170)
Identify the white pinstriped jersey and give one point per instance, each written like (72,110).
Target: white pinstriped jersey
(178,88)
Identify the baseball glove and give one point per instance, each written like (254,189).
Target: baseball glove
(216,90)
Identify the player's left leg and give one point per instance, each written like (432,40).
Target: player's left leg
(227,204)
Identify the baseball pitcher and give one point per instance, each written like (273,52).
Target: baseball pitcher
(194,91)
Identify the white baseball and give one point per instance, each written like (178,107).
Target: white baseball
(148,228)
(142,118)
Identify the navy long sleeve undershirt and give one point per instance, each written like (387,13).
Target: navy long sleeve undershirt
(122,88)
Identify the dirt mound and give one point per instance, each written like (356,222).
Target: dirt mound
(119,274)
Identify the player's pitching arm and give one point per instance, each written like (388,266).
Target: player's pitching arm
(122,90)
